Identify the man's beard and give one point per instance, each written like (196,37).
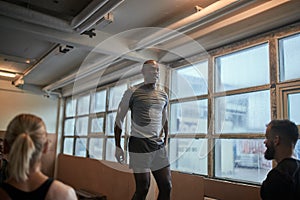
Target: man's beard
(269,153)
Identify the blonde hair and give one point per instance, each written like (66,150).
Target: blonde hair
(26,137)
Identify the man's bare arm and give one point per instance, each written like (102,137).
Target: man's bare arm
(119,154)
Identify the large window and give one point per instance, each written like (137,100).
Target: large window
(76,125)
(89,122)
(84,125)
(241,83)
(241,112)
(218,110)
(188,118)
(289,48)
(289,65)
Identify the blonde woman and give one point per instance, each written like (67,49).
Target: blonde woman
(26,141)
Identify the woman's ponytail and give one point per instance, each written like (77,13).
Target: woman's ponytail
(20,156)
(26,137)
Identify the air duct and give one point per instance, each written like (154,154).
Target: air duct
(85,20)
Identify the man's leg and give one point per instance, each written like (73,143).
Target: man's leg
(142,183)
(164,183)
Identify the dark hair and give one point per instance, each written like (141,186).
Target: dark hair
(286,129)
(150,62)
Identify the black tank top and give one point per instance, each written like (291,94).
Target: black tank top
(37,194)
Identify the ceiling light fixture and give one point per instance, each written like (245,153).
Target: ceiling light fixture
(198,8)
(16,59)
(207,15)
(7,74)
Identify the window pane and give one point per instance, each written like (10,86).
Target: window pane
(98,101)
(245,68)
(189,117)
(115,96)
(289,48)
(97,125)
(110,123)
(80,147)
(83,105)
(110,149)
(243,113)
(294,107)
(241,159)
(68,146)
(189,81)
(189,155)
(82,126)
(297,149)
(96,148)
(128,123)
(69,127)
(71,107)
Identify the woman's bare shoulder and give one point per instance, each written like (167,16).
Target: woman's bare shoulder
(4,195)
(61,191)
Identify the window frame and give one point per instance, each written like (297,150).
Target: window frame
(200,97)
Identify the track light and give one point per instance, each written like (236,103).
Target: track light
(7,74)
(19,82)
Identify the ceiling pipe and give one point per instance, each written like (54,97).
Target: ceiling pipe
(33,67)
(83,72)
(93,82)
(87,12)
(206,15)
(86,71)
(97,16)
(262,7)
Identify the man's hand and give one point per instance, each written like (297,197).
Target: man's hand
(166,141)
(119,154)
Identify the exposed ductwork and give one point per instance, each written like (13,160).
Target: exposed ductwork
(87,12)
(210,13)
(215,13)
(84,21)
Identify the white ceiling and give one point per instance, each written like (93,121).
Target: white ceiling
(166,30)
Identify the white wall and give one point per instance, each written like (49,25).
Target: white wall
(14,101)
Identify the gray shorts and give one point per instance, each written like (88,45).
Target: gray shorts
(145,153)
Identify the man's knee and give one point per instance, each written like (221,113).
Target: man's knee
(165,190)
(167,186)
(142,187)
(142,190)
